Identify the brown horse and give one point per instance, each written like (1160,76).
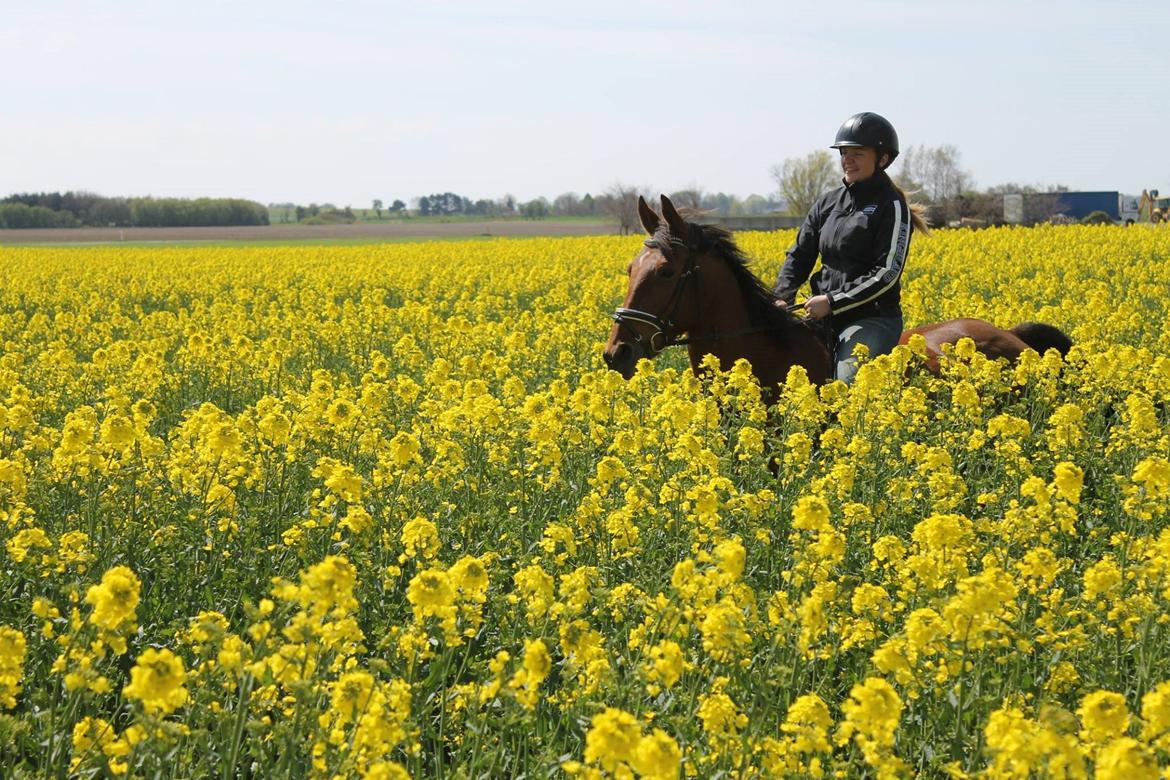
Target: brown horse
(991,341)
(692,279)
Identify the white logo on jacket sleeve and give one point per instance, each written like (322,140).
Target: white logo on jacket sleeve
(869,210)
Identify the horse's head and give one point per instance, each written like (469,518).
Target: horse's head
(657,308)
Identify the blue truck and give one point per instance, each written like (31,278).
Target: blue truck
(1122,209)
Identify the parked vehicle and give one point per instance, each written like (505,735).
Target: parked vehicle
(1152,201)
(1071,206)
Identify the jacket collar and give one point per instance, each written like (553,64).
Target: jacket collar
(867,187)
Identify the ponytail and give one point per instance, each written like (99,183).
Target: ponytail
(917,210)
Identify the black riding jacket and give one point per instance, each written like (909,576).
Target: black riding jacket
(862,233)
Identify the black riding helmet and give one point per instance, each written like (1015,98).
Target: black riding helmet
(869,129)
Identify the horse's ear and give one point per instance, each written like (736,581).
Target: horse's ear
(678,225)
(647,215)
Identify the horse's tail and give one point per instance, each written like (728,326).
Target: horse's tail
(1042,337)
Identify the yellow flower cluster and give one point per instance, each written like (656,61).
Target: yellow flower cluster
(380,511)
(157,681)
(13,648)
(615,746)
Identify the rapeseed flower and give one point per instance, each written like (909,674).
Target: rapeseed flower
(1156,716)
(13,648)
(420,537)
(721,719)
(1126,759)
(535,589)
(157,682)
(724,634)
(806,725)
(430,595)
(613,739)
(25,542)
(657,756)
(665,665)
(536,666)
(1104,717)
(114,599)
(872,715)
(351,695)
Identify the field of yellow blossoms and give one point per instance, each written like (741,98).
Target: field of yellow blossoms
(380,511)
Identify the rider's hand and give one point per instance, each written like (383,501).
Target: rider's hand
(782,304)
(817,307)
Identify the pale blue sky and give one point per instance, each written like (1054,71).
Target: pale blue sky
(350,101)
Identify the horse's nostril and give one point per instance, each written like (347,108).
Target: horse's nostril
(618,357)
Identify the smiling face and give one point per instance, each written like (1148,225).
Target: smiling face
(858,162)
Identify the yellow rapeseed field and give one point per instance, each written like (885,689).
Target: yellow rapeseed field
(379,511)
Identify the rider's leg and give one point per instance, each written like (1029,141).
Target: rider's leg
(879,334)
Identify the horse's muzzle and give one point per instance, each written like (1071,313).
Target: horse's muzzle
(622,357)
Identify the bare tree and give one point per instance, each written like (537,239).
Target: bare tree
(1042,207)
(984,208)
(567,204)
(620,201)
(804,179)
(934,171)
(690,198)
(755,205)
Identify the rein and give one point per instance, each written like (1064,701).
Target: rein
(718,336)
(664,326)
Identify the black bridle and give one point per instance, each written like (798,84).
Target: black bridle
(664,326)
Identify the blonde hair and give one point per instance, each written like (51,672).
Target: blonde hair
(917,210)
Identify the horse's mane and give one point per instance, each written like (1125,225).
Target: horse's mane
(758,297)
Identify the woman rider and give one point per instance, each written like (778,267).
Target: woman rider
(861,231)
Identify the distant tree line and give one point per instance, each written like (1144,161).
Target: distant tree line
(619,202)
(20,215)
(76,209)
(314,213)
(446,204)
(608,203)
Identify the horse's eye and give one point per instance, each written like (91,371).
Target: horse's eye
(666,272)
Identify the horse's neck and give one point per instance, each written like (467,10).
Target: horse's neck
(770,361)
(725,311)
